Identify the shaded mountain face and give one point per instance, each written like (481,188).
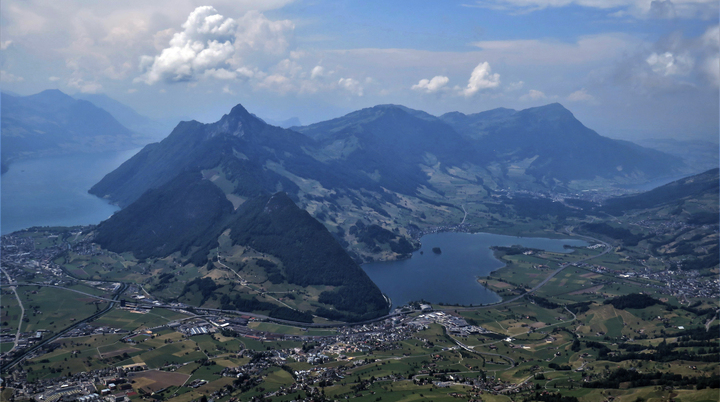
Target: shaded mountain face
(474,125)
(393,148)
(257,158)
(188,214)
(317,199)
(388,165)
(390,144)
(52,122)
(554,145)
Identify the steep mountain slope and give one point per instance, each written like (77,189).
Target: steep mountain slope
(53,122)
(253,158)
(677,222)
(389,143)
(389,166)
(184,214)
(188,214)
(310,255)
(241,142)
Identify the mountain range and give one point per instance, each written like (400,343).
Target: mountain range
(152,129)
(318,199)
(52,122)
(388,165)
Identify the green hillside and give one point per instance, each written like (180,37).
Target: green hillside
(186,216)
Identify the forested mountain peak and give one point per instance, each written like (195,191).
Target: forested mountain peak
(278,201)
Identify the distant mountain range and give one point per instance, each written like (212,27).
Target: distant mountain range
(693,188)
(301,207)
(388,169)
(396,148)
(52,122)
(701,155)
(128,117)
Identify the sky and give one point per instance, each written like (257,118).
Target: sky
(630,69)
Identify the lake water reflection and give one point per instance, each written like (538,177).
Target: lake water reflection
(450,277)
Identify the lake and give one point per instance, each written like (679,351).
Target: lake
(52,191)
(451,277)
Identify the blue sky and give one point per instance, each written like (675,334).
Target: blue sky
(626,68)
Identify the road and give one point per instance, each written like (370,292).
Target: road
(27,352)
(710,321)
(22,310)
(247,285)
(546,280)
(61,287)
(472,350)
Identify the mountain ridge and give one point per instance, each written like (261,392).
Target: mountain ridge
(187,216)
(387,165)
(52,122)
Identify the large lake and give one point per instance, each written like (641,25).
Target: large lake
(52,191)
(451,277)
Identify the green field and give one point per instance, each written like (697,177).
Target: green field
(54,309)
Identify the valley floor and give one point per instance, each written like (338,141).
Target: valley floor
(569,324)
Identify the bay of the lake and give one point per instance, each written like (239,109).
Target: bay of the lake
(53,190)
(451,277)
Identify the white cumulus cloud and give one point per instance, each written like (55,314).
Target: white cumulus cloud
(5,44)
(711,37)
(351,85)
(317,71)
(432,85)
(481,78)
(213,46)
(89,87)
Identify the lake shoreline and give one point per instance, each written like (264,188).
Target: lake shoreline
(452,277)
